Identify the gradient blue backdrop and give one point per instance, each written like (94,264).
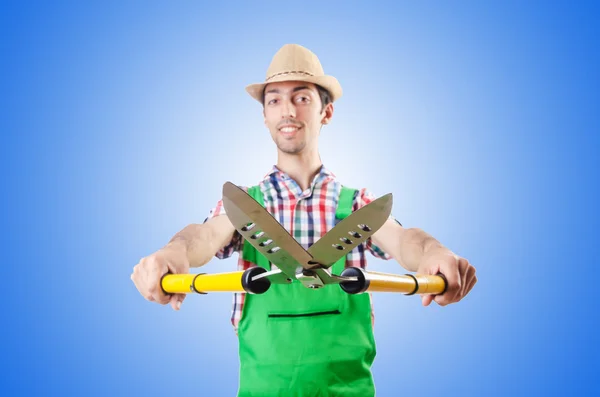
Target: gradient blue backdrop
(120,123)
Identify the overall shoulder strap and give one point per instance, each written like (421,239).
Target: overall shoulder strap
(344,207)
(256,194)
(249,253)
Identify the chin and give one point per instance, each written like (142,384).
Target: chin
(291,149)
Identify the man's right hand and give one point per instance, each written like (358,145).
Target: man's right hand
(148,272)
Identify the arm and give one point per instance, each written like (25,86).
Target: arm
(194,246)
(406,246)
(201,242)
(417,251)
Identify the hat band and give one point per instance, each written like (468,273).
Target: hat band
(290,72)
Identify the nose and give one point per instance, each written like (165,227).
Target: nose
(288,110)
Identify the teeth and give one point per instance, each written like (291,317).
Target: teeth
(289,129)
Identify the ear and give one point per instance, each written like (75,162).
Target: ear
(327,114)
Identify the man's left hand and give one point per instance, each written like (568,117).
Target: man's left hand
(458,272)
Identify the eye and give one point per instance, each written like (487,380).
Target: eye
(272,102)
(302,99)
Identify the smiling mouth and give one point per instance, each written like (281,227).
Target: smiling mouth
(289,130)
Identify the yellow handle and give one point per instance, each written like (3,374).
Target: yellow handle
(407,284)
(235,282)
(385,282)
(202,283)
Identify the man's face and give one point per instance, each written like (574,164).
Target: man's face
(293,115)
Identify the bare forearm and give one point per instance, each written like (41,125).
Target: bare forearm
(412,247)
(202,241)
(194,241)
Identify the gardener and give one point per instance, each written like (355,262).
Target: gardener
(310,350)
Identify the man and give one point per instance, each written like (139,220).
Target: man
(295,341)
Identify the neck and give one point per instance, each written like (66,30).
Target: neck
(301,167)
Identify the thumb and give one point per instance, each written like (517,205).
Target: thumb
(177,300)
(426,299)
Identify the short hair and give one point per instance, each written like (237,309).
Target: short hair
(323,94)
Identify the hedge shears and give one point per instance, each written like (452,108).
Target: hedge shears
(291,262)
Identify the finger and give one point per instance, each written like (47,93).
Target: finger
(466,272)
(434,270)
(154,271)
(135,273)
(138,281)
(451,271)
(472,283)
(426,299)
(440,300)
(177,300)
(159,295)
(155,290)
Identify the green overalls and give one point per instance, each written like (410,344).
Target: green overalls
(299,342)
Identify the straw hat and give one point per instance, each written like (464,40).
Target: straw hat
(295,63)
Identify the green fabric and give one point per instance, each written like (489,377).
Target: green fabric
(327,353)
(344,207)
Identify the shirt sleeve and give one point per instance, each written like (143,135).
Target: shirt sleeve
(363,198)
(235,244)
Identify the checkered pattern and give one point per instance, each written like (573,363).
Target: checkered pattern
(307,215)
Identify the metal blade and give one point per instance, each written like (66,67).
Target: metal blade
(278,277)
(328,278)
(263,231)
(275,276)
(350,232)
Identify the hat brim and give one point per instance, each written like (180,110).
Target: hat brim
(330,83)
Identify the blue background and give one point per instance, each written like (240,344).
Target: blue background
(120,123)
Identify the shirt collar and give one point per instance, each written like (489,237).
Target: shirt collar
(324,173)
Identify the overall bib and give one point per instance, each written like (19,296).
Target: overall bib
(300,342)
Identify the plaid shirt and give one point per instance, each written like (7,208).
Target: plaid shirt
(306,215)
